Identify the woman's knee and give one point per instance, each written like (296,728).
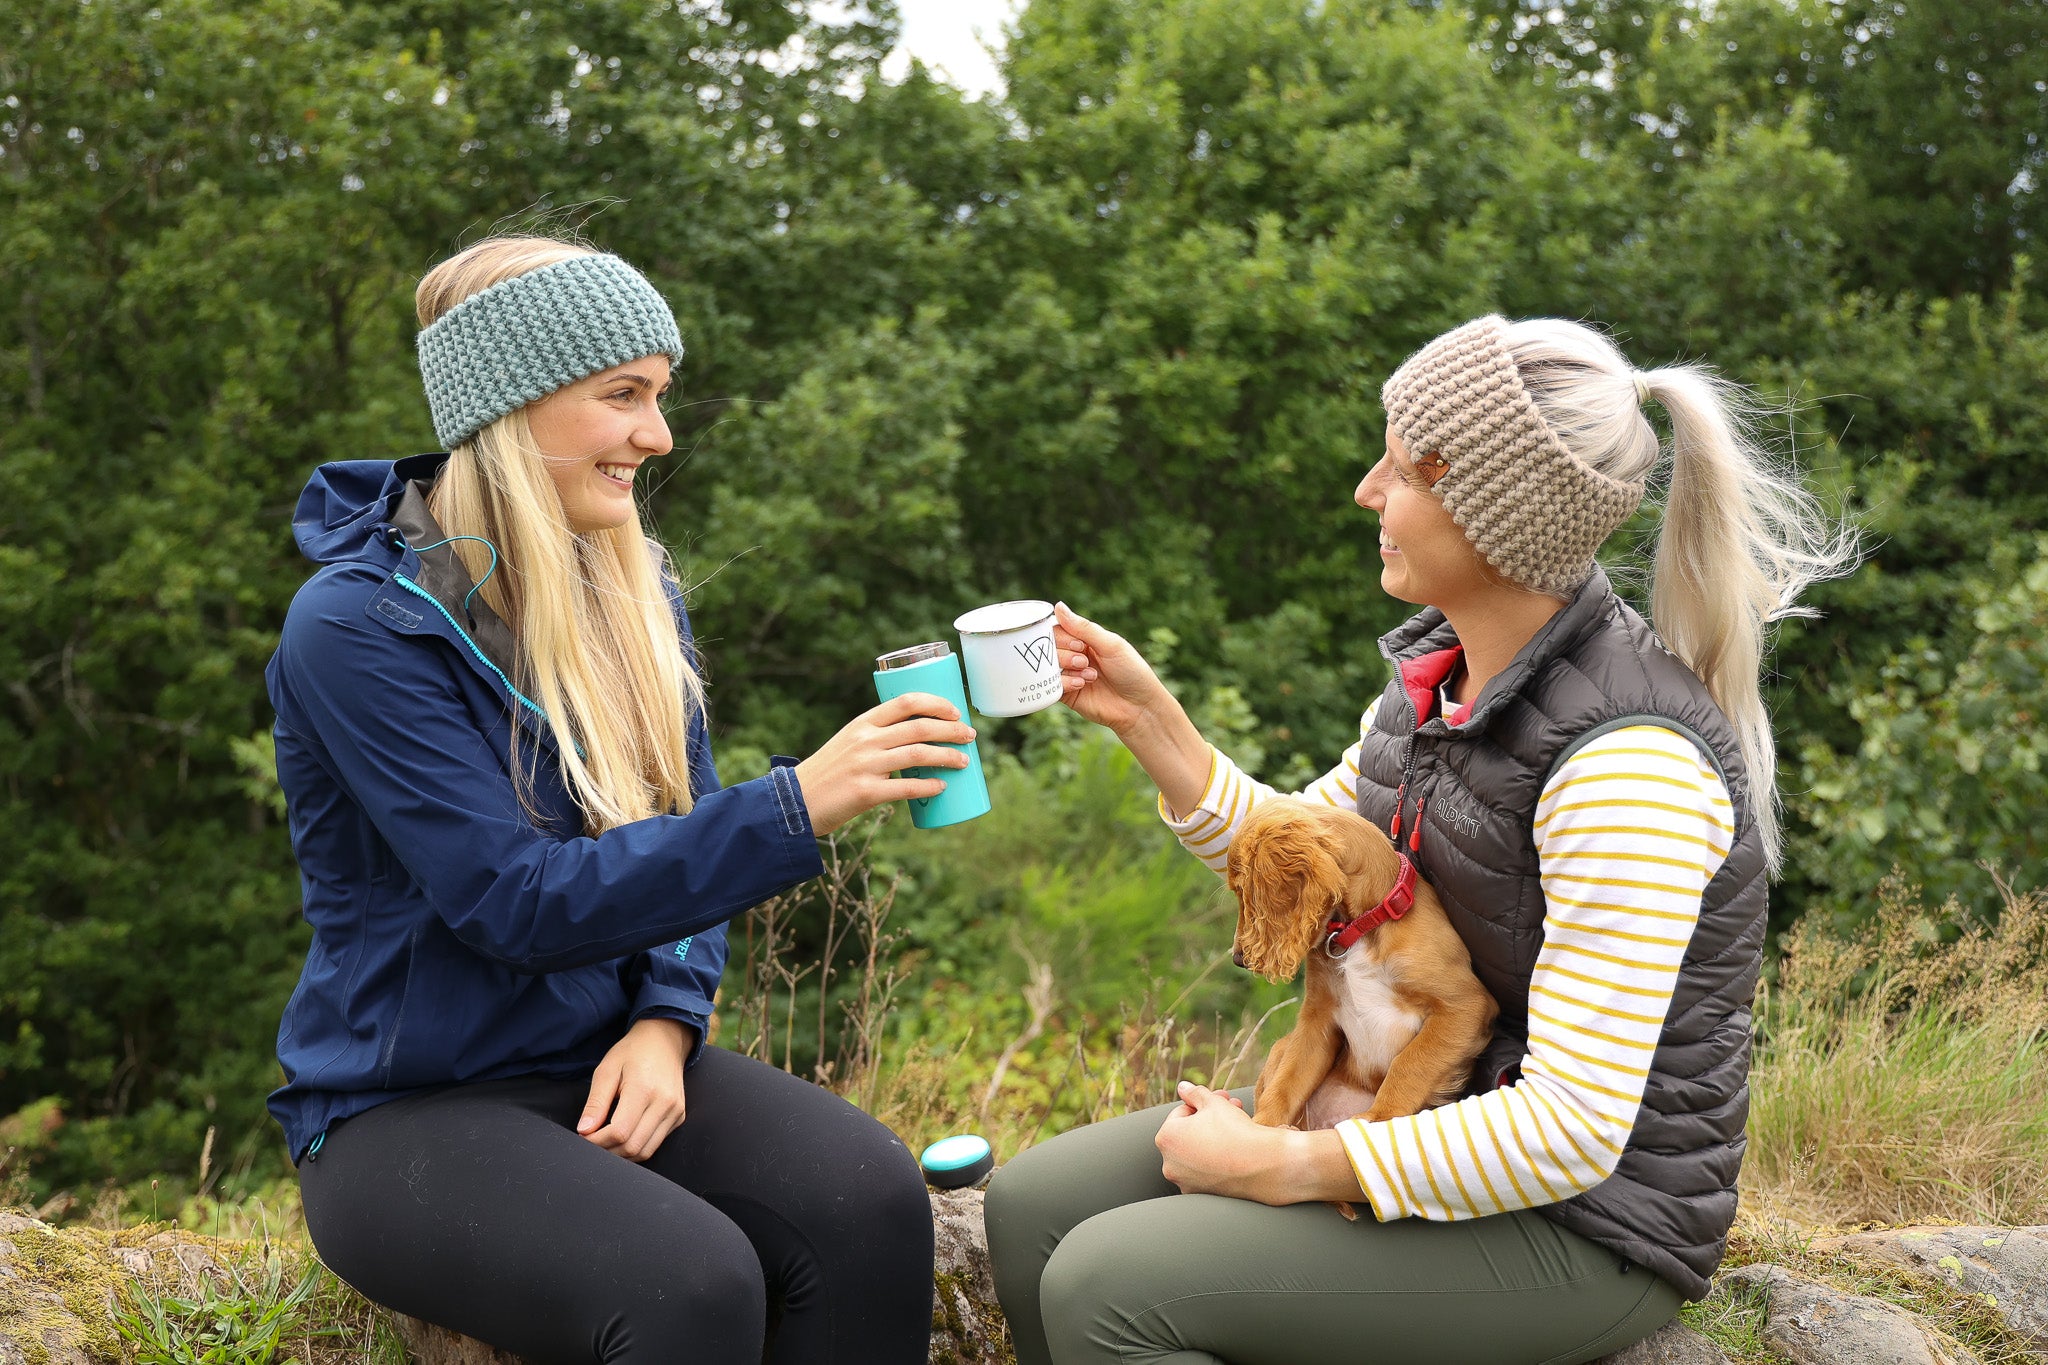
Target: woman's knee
(1041,1192)
(1087,1297)
(890,1193)
(880,1174)
(699,1283)
(1020,1186)
(852,1207)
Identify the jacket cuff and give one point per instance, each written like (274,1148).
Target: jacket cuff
(653,1001)
(800,844)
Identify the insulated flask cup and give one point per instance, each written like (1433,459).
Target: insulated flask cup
(933,668)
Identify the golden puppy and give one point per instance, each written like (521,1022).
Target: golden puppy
(1392,1017)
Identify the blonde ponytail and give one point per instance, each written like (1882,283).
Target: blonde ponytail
(1740,537)
(598,647)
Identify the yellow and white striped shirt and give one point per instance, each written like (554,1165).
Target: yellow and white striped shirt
(1629,831)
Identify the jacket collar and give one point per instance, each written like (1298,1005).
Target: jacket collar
(440,571)
(1428,632)
(485,641)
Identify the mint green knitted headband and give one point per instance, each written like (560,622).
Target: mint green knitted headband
(525,337)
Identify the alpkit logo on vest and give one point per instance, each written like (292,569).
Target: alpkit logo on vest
(1459,819)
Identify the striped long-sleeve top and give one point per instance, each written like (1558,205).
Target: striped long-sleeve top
(1629,831)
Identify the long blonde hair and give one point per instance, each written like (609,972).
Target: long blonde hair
(1740,536)
(598,647)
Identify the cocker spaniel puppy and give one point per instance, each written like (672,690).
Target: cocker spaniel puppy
(1392,1017)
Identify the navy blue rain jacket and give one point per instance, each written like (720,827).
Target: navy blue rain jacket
(453,939)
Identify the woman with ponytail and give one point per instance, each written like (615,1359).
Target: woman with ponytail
(1593,799)
(518,863)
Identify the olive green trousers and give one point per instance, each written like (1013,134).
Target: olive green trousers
(1098,1259)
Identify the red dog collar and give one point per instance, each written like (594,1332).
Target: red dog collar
(1395,904)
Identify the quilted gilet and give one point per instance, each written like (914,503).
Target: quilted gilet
(1595,666)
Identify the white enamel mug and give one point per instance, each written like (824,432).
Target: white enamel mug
(1007,649)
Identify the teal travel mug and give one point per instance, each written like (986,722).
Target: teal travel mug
(933,668)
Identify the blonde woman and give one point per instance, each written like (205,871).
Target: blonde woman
(518,862)
(1593,801)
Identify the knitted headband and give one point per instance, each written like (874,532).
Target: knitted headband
(523,338)
(1536,511)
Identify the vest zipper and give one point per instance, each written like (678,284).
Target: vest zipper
(1407,769)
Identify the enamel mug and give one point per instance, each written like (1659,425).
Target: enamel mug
(1012,667)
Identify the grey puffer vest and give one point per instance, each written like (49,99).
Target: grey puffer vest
(1596,666)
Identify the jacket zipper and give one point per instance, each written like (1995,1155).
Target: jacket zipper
(474,648)
(1407,767)
(546,727)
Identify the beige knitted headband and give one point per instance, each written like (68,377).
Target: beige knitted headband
(1535,510)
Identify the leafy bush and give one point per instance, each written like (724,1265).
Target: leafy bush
(1947,784)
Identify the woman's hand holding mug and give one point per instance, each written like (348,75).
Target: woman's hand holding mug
(1109,682)
(854,770)
(1106,679)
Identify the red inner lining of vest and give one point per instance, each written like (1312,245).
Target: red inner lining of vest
(1423,675)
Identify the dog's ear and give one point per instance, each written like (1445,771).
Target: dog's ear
(1287,879)
(1370,862)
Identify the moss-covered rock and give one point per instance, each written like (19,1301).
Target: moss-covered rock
(58,1286)
(2007,1268)
(967,1323)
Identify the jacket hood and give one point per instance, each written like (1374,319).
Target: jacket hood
(346,500)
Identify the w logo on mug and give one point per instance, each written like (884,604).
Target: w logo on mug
(1011,660)
(1037,653)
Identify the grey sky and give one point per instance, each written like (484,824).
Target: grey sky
(943,35)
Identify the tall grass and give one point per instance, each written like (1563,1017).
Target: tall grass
(1902,1074)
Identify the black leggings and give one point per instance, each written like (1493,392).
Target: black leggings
(777,1214)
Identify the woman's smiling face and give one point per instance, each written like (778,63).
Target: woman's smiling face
(1424,556)
(596,433)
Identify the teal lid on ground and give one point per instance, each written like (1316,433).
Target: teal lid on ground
(954,1153)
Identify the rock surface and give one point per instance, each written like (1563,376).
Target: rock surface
(2007,1267)
(433,1345)
(56,1286)
(967,1324)
(1816,1325)
(1672,1344)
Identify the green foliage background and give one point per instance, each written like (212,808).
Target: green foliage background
(1115,336)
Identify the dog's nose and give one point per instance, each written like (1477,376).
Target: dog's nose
(1237,956)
